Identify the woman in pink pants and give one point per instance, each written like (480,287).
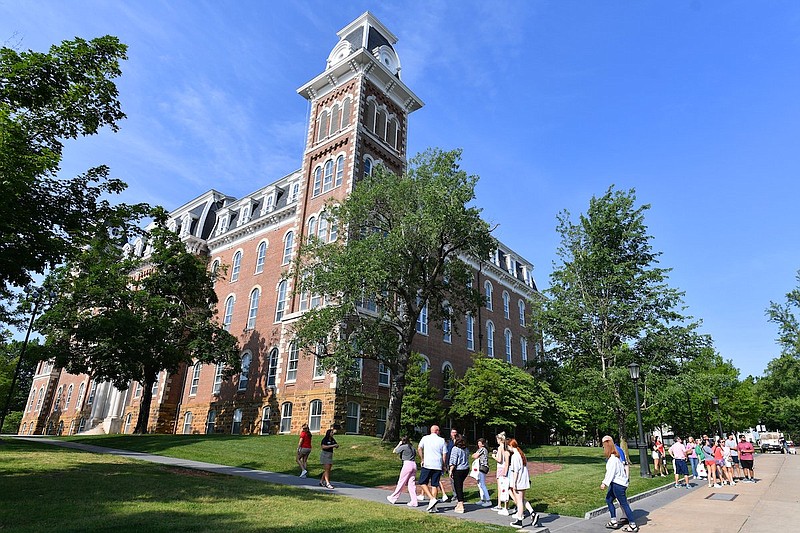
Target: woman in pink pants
(408,474)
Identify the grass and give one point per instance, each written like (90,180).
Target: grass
(45,488)
(572,490)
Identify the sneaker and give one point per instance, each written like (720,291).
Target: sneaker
(517,524)
(503,512)
(535,520)
(445,498)
(487,503)
(391,500)
(432,506)
(717,485)
(459,509)
(304,473)
(420,497)
(677,486)
(411,504)
(497,508)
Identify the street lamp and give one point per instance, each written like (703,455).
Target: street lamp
(644,463)
(715,401)
(37,299)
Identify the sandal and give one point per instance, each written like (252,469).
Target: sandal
(631,528)
(613,525)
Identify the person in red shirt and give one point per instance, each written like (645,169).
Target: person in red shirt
(746,459)
(303,450)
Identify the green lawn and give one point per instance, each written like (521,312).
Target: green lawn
(44,488)
(573,490)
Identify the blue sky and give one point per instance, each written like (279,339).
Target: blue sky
(692,103)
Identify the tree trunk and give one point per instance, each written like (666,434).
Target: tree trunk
(144,404)
(392,432)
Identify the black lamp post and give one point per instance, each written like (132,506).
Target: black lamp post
(715,401)
(644,463)
(37,298)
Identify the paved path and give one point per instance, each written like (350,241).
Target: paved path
(769,505)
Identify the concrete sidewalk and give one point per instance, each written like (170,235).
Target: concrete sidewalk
(770,503)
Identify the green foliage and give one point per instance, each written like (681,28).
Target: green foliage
(121,318)
(46,98)
(407,239)
(422,406)
(9,356)
(501,395)
(783,315)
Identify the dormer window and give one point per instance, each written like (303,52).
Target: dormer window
(223,223)
(269,203)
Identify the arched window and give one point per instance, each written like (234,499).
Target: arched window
(280,306)
(370,115)
(422,320)
(322,231)
(323,126)
(507,335)
(195,378)
(367,167)
(506,306)
(272,369)
(339,170)
(23,428)
(244,377)
(333,233)
(79,400)
(187,423)
(335,119)
(521,305)
(380,124)
(69,396)
(353,420)
(128,423)
(391,133)
(255,296)
(292,361)
(490,339)
(315,415)
(426,363)
(218,378)
(211,422)
(488,291)
(286,417)
(57,403)
(312,226)
(228,316)
(265,420)
(237,266)
(447,380)
(317,181)
(346,113)
(72,426)
(92,392)
(469,320)
(523,348)
(236,427)
(327,178)
(288,244)
(214,271)
(261,256)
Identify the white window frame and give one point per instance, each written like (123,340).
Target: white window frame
(384,375)
(422,320)
(211,421)
(447,385)
(523,347)
(508,340)
(288,246)
(292,362)
(236,424)
(244,375)
(286,418)
(280,306)
(70,389)
(218,369)
(227,318)
(506,305)
(349,417)
(195,378)
(489,338)
(521,305)
(236,266)
(252,313)
(187,422)
(261,256)
(380,418)
(488,293)
(315,415)
(470,327)
(319,368)
(272,367)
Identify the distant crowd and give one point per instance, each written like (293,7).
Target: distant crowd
(718,460)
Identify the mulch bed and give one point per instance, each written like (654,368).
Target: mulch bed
(535,469)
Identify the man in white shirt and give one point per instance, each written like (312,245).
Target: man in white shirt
(432,451)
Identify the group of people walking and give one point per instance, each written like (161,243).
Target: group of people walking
(720,460)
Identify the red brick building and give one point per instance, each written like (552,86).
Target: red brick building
(359,118)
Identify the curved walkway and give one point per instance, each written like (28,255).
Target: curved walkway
(769,505)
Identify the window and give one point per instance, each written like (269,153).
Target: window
(335,119)
(521,304)
(195,379)
(24,427)
(523,349)
(288,244)
(327,179)
(506,306)
(507,335)
(370,114)
(312,226)
(291,363)
(236,427)
(218,378)
(69,396)
(81,426)
(358,368)
(488,289)
(317,181)
(60,429)
(261,256)
(32,400)
(92,392)
(447,330)
(353,417)
(280,306)
(237,266)
(380,423)
(323,126)
(272,369)
(255,296)
(425,364)
(334,231)
(322,232)
(315,415)
(380,124)
(72,426)
(138,390)
(265,420)
(391,133)
(58,398)
(286,417)
(228,317)
(319,367)
(295,192)
(79,401)
(384,375)
(39,400)
(244,377)
(470,323)
(422,320)
(154,389)
(339,170)
(346,113)
(187,423)
(367,167)
(214,271)
(447,380)
(211,422)
(269,203)
(128,422)
(490,339)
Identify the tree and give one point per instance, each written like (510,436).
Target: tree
(46,98)
(124,319)
(421,404)
(9,356)
(608,305)
(500,395)
(409,240)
